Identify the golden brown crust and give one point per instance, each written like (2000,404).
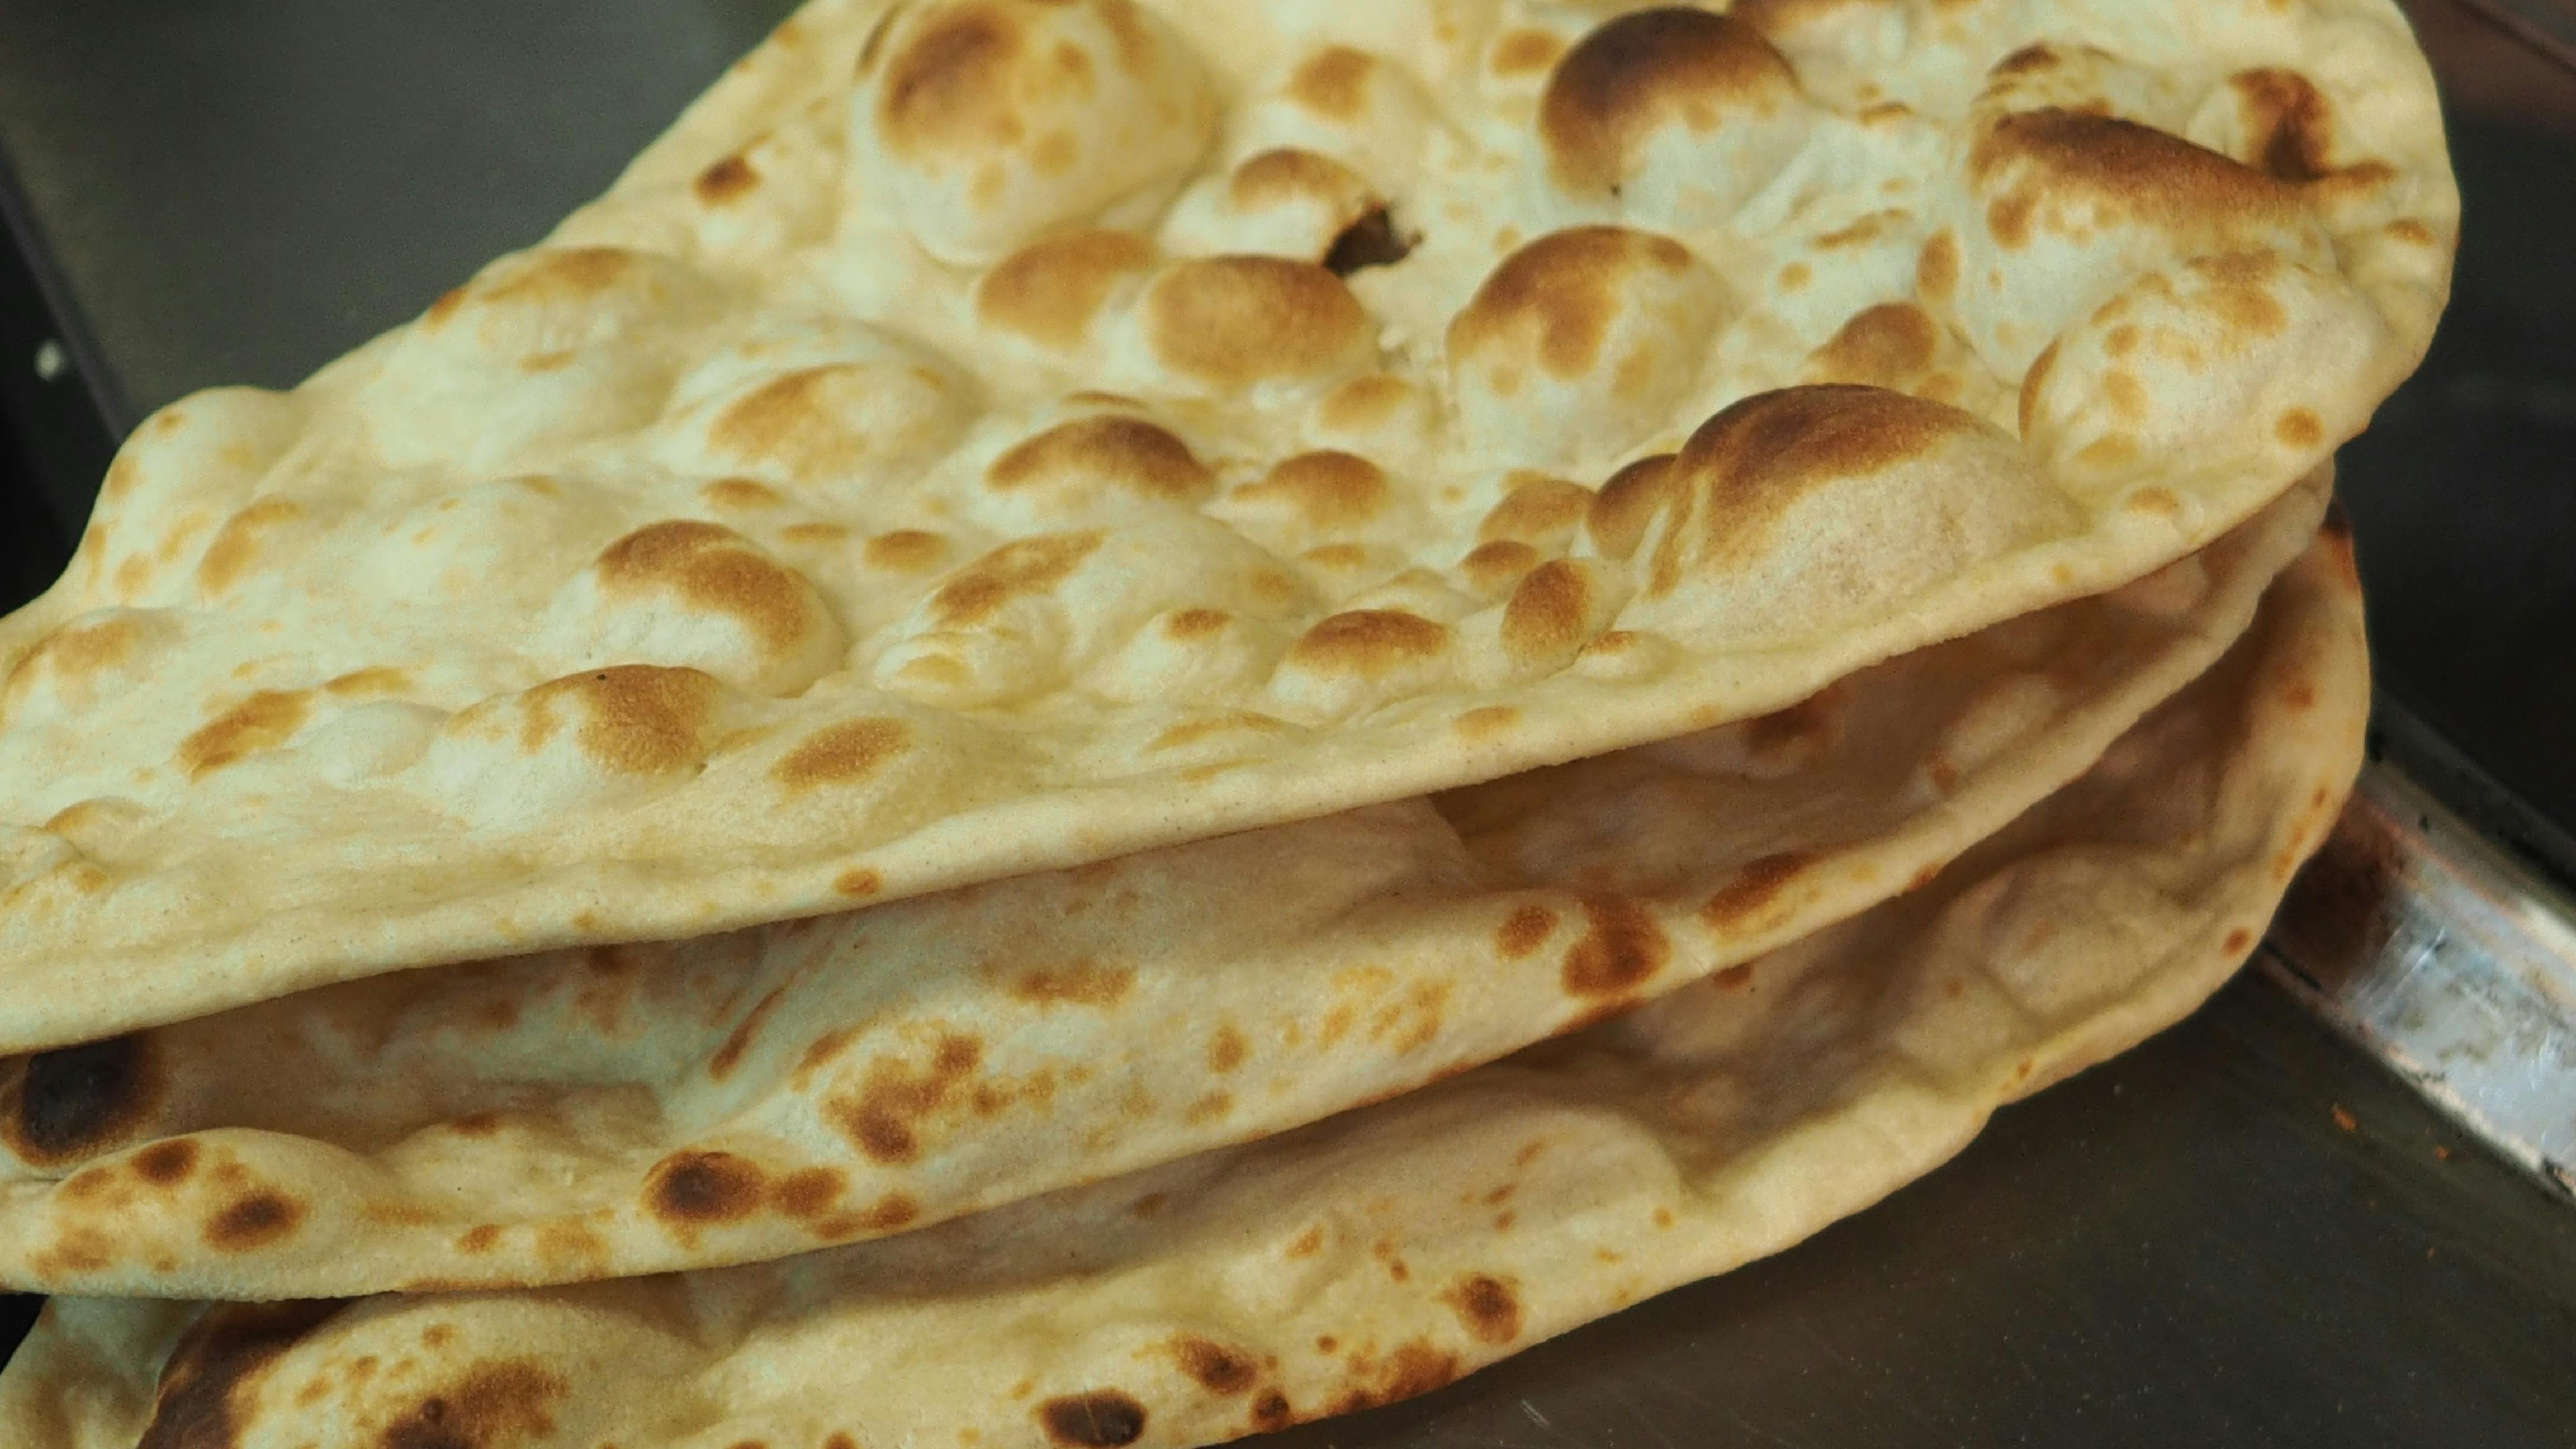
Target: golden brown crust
(1555,300)
(1237,321)
(1116,453)
(1540,510)
(947,91)
(2289,124)
(2117,168)
(1368,642)
(1886,346)
(844,754)
(1050,291)
(713,569)
(1746,466)
(264,721)
(1287,175)
(1644,71)
(1333,82)
(632,719)
(1015,570)
(1550,612)
(1627,503)
(1328,491)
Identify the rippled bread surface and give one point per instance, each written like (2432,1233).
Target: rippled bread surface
(619,1110)
(989,435)
(1382,1253)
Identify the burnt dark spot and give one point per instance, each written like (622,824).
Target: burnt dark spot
(2292,125)
(254,1221)
(1101,1419)
(1487,1306)
(1622,951)
(1758,885)
(1272,1411)
(809,1192)
(73,1101)
(1371,241)
(498,1403)
(228,1350)
(1413,1370)
(897,1100)
(166,1162)
(704,1187)
(1217,1368)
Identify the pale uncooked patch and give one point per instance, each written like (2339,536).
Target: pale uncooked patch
(1385,1252)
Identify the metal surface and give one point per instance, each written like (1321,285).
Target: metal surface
(2546,27)
(2451,960)
(240,190)
(2241,1235)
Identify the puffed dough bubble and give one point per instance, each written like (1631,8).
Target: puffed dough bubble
(463,543)
(1096,465)
(1047,296)
(371,741)
(2059,207)
(1858,53)
(1187,656)
(2253,356)
(1670,117)
(1581,343)
(1795,510)
(1283,202)
(191,460)
(89,659)
(699,595)
(1348,105)
(1384,416)
(816,404)
(1360,659)
(992,122)
(544,348)
(1238,326)
(604,739)
(1035,612)
(1552,613)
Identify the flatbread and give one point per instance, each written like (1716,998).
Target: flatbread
(613,1111)
(1058,430)
(1384,1252)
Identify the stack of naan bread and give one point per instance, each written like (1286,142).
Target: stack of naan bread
(1121,721)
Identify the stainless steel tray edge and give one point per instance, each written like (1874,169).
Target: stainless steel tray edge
(2451,960)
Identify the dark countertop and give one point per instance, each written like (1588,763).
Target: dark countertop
(2180,1247)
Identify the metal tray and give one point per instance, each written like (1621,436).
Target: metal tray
(2328,1209)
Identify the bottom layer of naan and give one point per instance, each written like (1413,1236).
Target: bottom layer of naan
(1381,1253)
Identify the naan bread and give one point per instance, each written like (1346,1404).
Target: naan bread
(987,436)
(1384,1252)
(614,1111)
